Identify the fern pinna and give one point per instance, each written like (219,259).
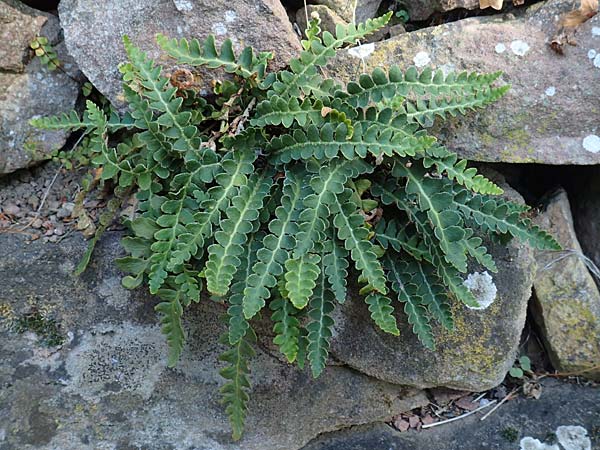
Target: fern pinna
(278,187)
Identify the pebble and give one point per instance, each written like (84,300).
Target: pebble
(65,210)
(11,209)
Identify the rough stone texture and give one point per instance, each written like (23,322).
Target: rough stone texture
(554,102)
(560,404)
(567,301)
(356,11)
(422,9)
(93,31)
(329,19)
(108,387)
(476,356)
(20,25)
(28,89)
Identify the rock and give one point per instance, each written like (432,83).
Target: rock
(329,19)
(20,26)
(550,114)
(567,301)
(356,11)
(107,384)
(27,89)
(93,31)
(475,357)
(547,419)
(423,9)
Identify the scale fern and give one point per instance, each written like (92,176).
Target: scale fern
(283,189)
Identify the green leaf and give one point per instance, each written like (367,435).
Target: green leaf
(234,393)
(381,313)
(319,327)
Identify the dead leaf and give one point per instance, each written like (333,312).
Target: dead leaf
(587,10)
(496,4)
(532,390)
(414,421)
(325,110)
(401,424)
(428,420)
(466,403)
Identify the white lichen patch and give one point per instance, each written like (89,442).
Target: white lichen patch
(500,48)
(595,31)
(447,69)
(597,61)
(592,53)
(219,29)
(183,5)
(591,143)
(483,289)
(519,47)
(362,51)
(230,16)
(421,59)
(529,443)
(573,438)
(550,91)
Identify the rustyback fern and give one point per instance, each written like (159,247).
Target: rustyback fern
(283,191)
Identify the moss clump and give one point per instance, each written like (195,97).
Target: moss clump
(47,329)
(510,434)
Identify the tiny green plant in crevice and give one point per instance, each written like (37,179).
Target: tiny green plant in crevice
(44,51)
(277,188)
(521,367)
(46,328)
(511,434)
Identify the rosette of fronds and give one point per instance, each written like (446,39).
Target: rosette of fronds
(279,188)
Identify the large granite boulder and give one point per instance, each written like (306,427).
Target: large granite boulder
(28,89)
(475,357)
(567,301)
(422,9)
(550,114)
(94,31)
(106,385)
(356,11)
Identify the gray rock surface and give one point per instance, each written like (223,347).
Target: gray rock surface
(567,301)
(356,11)
(329,19)
(560,405)
(423,9)
(93,31)
(475,357)
(28,89)
(107,386)
(549,116)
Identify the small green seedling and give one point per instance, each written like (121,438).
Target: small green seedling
(45,52)
(522,365)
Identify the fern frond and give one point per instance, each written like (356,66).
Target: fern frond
(223,260)
(477,251)
(402,283)
(319,327)
(352,231)
(328,182)
(206,54)
(502,216)
(301,278)
(335,264)
(235,391)
(276,247)
(381,313)
(432,293)
(172,311)
(424,112)
(286,327)
(380,86)
(183,135)
(390,234)
(457,170)
(304,77)
(331,140)
(238,325)
(435,197)
(235,166)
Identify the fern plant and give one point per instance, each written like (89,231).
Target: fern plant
(279,187)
